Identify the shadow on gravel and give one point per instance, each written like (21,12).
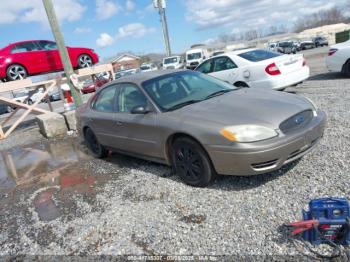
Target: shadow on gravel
(238,183)
(327,76)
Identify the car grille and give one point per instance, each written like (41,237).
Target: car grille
(300,151)
(194,64)
(297,121)
(170,67)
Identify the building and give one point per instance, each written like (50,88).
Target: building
(126,61)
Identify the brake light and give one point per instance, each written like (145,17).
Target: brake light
(332,51)
(272,69)
(304,62)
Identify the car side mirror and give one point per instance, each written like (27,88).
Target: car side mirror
(140,110)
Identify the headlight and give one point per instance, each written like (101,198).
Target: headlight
(314,107)
(247,133)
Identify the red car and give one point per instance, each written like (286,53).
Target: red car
(22,59)
(92,85)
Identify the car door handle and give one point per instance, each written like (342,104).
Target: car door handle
(118,123)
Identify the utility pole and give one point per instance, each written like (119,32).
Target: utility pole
(160,4)
(67,65)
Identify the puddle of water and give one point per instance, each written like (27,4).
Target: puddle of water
(43,163)
(55,170)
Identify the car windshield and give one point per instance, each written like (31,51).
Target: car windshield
(285,44)
(259,55)
(170,60)
(145,67)
(194,56)
(175,90)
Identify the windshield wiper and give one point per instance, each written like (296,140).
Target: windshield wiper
(218,93)
(186,103)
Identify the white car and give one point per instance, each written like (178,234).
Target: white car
(257,68)
(173,62)
(148,67)
(338,59)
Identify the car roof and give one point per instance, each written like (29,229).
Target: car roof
(142,77)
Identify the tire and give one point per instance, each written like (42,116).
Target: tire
(94,146)
(30,102)
(84,60)
(16,72)
(346,68)
(191,162)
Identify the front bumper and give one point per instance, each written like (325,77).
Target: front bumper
(245,159)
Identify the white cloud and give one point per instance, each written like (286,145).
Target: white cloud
(15,11)
(82,30)
(130,5)
(245,14)
(104,40)
(106,9)
(134,30)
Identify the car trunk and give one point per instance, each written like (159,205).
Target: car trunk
(289,63)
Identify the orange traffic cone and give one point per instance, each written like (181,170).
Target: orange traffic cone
(68,105)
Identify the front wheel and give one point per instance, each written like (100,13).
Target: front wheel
(84,61)
(191,162)
(94,146)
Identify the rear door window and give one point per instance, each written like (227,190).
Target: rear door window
(24,47)
(206,67)
(223,63)
(105,100)
(258,55)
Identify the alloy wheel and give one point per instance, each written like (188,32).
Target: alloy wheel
(16,72)
(85,61)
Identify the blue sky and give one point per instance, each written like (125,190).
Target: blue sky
(114,26)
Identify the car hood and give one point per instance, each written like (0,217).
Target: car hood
(245,106)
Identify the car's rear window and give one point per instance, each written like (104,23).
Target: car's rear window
(258,55)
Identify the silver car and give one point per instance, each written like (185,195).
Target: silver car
(200,125)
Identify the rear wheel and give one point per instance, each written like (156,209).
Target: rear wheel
(191,162)
(16,72)
(346,68)
(84,61)
(241,84)
(94,146)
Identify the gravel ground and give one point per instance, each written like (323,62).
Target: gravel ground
(134,207)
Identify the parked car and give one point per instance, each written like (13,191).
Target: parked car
(146,67)
(4,109)
(127,72)
(307,45)
(296,44)
(257,68)
(92,84)
(22,96)
(173,62)
(27,58)
(196,55)
(200,125)
(286,47)
(320,41)
(338,59)
(272,46)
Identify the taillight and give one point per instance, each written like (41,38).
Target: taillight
(332,51)
(304,62)
(272,69)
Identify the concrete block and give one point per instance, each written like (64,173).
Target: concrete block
(52,125)
(71,120)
